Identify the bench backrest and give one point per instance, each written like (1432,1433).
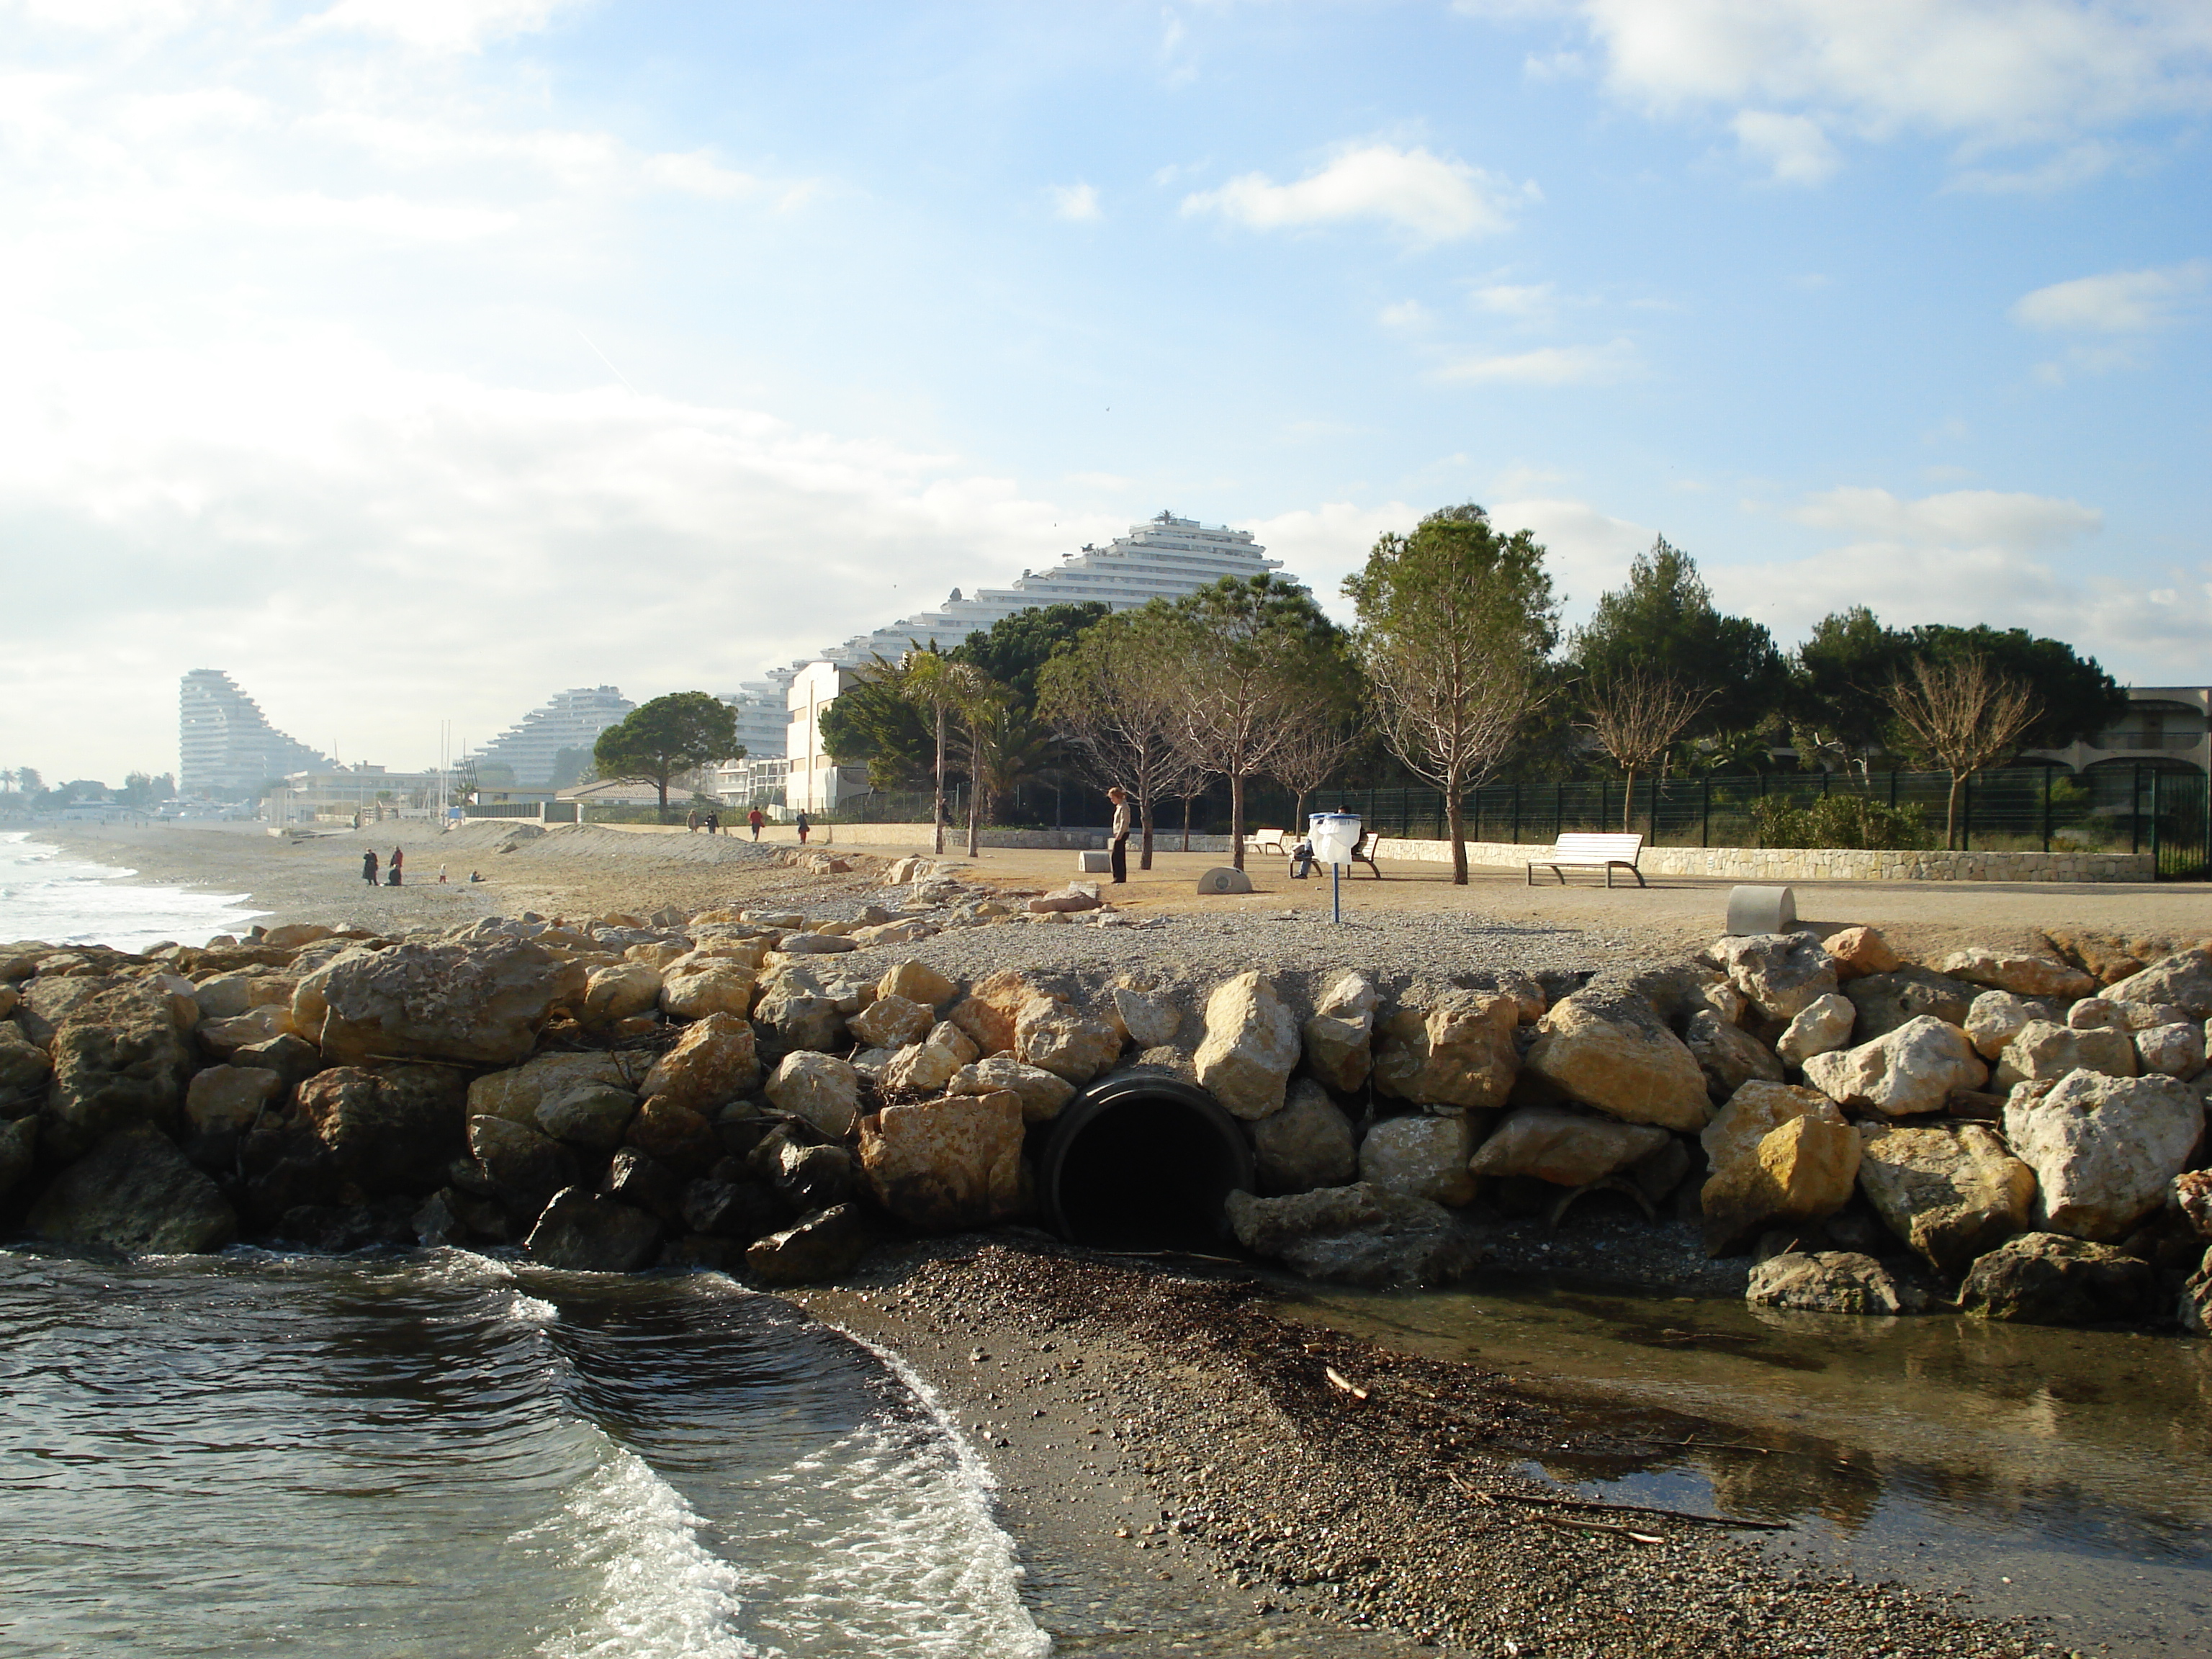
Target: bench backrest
(1597,848)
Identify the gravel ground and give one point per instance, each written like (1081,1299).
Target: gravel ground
(1182,1472)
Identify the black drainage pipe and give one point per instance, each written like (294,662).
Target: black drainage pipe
(1143,1162)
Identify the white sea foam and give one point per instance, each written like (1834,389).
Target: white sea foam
(47,894)
(917,1565)
(662,1594)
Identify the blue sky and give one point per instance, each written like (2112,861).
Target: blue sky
(411,359)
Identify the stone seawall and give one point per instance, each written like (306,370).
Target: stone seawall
(1811,864)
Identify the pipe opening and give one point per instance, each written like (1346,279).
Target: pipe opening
(1143,1164)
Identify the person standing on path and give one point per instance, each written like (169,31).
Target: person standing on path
(368,866)
(755,819)
(713,823)
(399,854)
(1120,841)
(691,823)
(801,824)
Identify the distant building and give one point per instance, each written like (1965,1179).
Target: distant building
(812,781)
(327,791)
(568,719)
(763,717)
(2166,726)
(226,748)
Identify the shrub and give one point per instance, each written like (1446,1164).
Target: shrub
(1853,820)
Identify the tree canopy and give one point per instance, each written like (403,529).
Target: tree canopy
(666,737)
(1662,623)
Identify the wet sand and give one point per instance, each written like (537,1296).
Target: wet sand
(1184,1473)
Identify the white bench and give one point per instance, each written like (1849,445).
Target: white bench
(1269,840)
(1606,853)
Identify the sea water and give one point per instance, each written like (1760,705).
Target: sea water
(51,895)
(446,1455)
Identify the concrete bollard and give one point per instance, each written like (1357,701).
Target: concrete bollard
(1761,910)
(1224,879)
(1094,864)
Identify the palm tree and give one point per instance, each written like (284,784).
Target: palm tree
(929,679)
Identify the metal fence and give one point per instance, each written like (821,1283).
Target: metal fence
(2142,809)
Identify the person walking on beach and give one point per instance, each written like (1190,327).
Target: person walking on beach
(1121,841)
(691,823)
(368,866)
(713,823)
(802,826)
(755,819)
(397,855)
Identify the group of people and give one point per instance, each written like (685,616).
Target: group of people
(756,819)
(392,871)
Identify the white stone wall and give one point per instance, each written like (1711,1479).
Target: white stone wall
(1757,864)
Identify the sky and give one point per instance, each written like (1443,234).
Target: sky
(412,360)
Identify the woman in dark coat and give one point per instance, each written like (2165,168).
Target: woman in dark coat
(368,867)
(399,854)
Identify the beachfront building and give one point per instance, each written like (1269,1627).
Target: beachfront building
(226,748)
(568,719)
(343,793)
(2167,728)
(812,782)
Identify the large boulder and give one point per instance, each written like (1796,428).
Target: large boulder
(591,1116)
(395,1128)
(1614,1053)
(624,989)
(2185,981)
(25,1071)
(1910,1071)
(1886,1001)
(2048,1279)
(481,1003)
(1309,1144)
(891,1022)
(227,1098)
(2174,1051)
(1952,1193)
(675,1135)
(1043,1093)
(2041,1052)
(825,1245)
(1780,972)
(19,1150)
(521,1168)
(1858,951)
(1567,1148)
(1801,1170)
(693,988)
(135,1192)
(796,1008)
(224,1037)
(580,1231)
(1820,1027)
(1420,1157)
(926,1067)
(917,981)
(1755,1111)
(993,1004)
(517,1093)
(1357,1235)
(1831,1281)
(2103,1148)
(120,1059)
(1457,1053)
(1996,1018)
(1057,1038)
(714,1061)
(2022,974)
(821,1089)
(945,1164)
(1144,1019)
(1339,1037)
(1251,1044)
(1728,1055)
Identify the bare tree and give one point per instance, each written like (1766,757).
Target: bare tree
(1963,713)
(1309,754)
(1636,715)
(1114,700)
(1454,623)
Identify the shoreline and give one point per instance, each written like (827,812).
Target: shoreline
(1149,1427)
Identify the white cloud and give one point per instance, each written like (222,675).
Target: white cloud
(2117,302)
(1531,302)
(441,26)
(1428,198)
(1582,365)
(1075,202)
(1320,546)
(1407,314)
(1588,550)
(2024,71)
(2010,522)
(1792,148)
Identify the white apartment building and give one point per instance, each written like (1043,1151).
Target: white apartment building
(568,719)
(226,747)
(812,781)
